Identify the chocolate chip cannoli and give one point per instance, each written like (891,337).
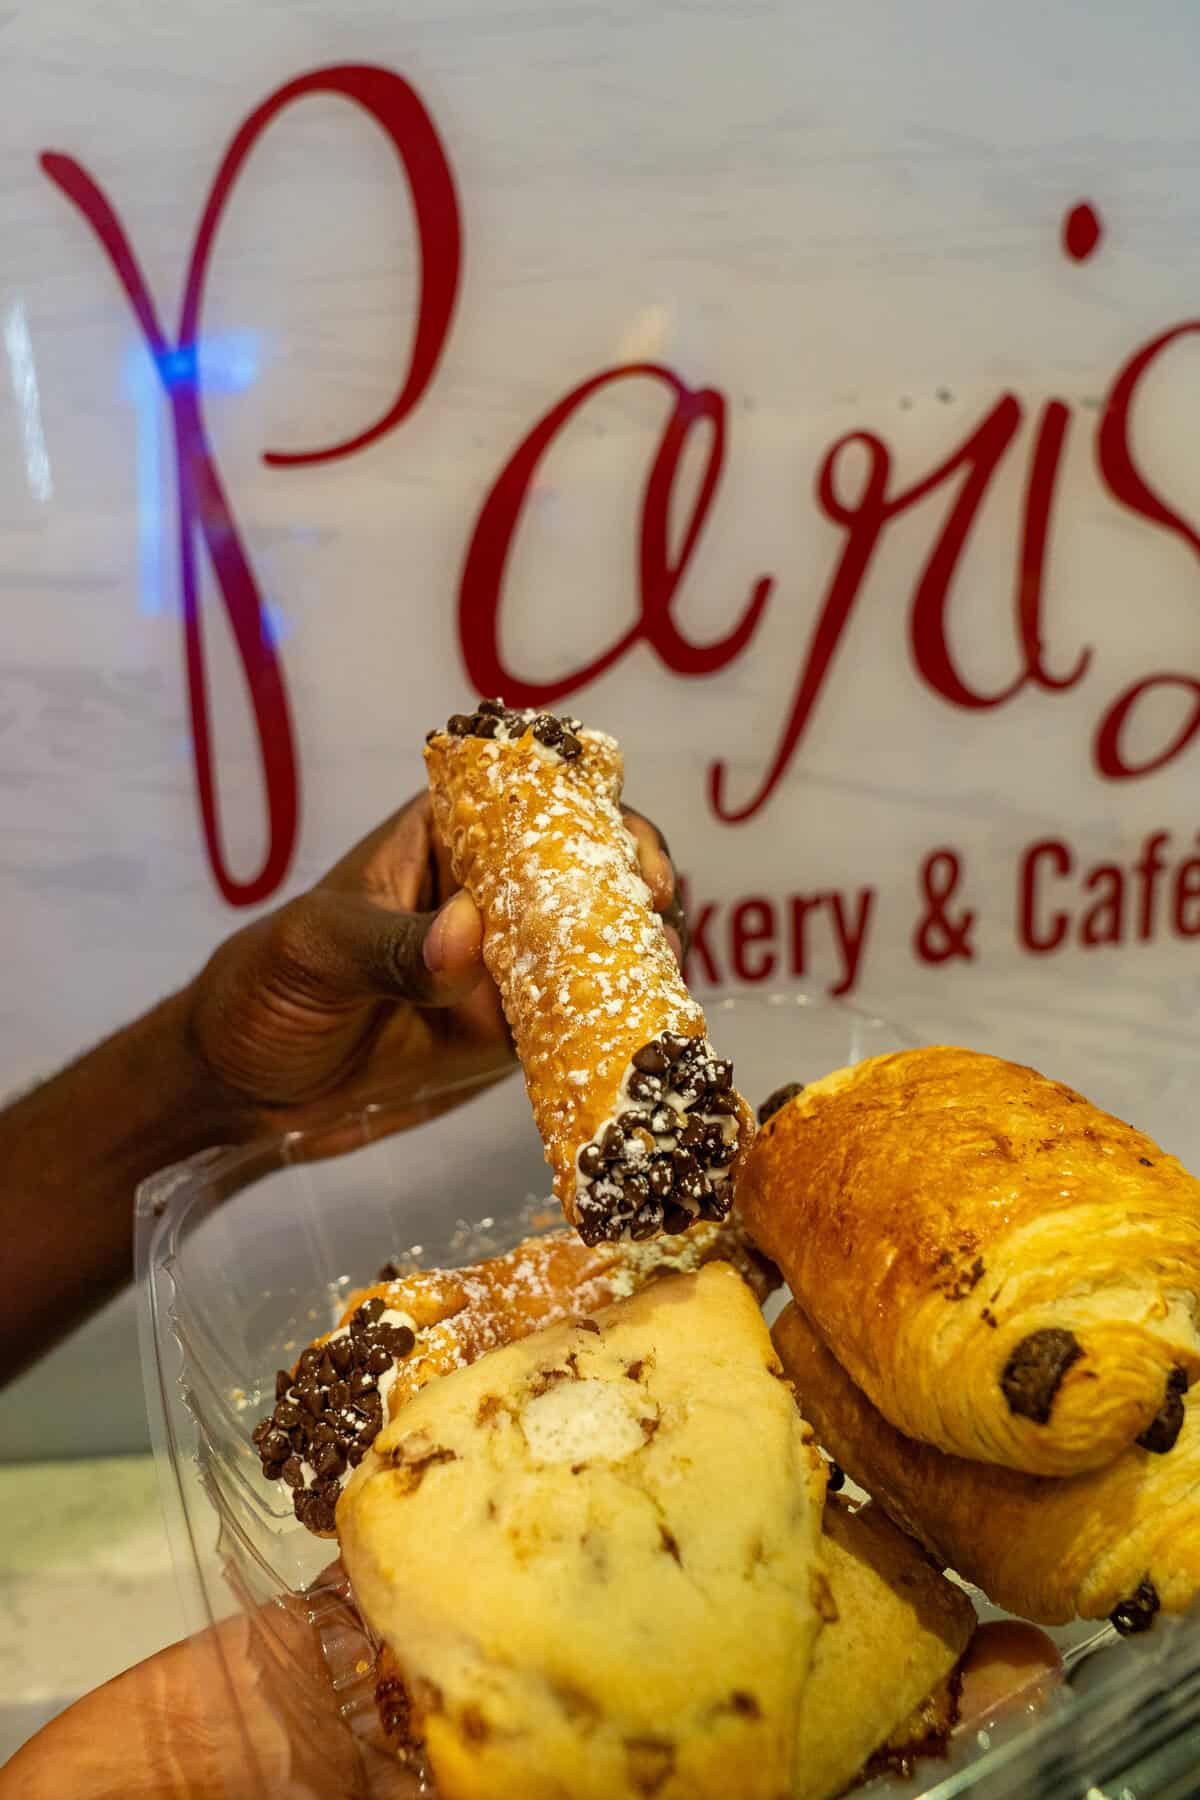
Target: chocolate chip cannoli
(1007,1272)
(641,1123)
(414,1325)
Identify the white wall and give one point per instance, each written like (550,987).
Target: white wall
(845,217)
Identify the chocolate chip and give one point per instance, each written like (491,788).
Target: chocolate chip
(283,1382)
(593,1229)
(836,1479)
(571,747)
(591,1160)
(293,1472)
(778,1100)
(1163,1430)
(611,1140)
(646,1221)
(380,1360)
(287,1415)
(1034,1372)
(322,1516)
(309,1396)
(390,1272)
(326,1373)
(676,1219)
(651,1059)
(261,1429)
(485,727)
(367,1315)
(496,708)
(634,1186)
(309,1359)
(361,1383)
(1137,1613)
(299,1439)
(644,1087)
(721,1074)
(548,730)
(687,1083)
(328,1460)
(323,1433)
(339,1395)
(399,1339)
(341,1355)
(276,1447)
(356,1452)
(673,1044)
(660,1177)
(691,1133)
(459,725)
(724,1106)
(687,1169)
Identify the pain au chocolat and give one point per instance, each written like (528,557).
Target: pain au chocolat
(642,1125)
(1006,1272)
(1122,1541)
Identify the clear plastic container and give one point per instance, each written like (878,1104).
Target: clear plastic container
(245,1255)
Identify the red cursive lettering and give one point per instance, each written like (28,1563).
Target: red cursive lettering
(1130,489)
(205,513)
(481,588)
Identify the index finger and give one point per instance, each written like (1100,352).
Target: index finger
(655,859)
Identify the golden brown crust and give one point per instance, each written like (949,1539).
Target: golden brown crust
(594,1557)
(1008,1273)
(1048,1548)
(882,1667)
(582,962)
(450,1317)
(460,1314)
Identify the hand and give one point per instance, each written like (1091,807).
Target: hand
(209,1719)
(370,987)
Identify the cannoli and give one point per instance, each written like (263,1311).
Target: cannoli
(1122,1542)
(596,1555)
(1007,1272)
(641,1123)
(410,1327)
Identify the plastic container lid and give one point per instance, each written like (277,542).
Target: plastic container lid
(243,1256)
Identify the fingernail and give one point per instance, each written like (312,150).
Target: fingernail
(453,940)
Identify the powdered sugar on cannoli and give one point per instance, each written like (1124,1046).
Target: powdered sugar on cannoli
(529,807)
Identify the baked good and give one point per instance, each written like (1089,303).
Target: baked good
(883,1671)
(1122,1541)
(595,1557)
(1007,1272)
(641,1123)
(414,1325)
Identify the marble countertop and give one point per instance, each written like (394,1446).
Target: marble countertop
(87,1585)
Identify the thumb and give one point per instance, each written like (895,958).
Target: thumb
(429,959)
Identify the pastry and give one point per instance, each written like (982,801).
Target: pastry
(406,1329)
(883,1671)
(641,1124)
(1123,1541)
(595,1556)
(1008,1273)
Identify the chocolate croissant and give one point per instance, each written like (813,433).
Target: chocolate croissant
(1123,1541)
(1007,1272)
